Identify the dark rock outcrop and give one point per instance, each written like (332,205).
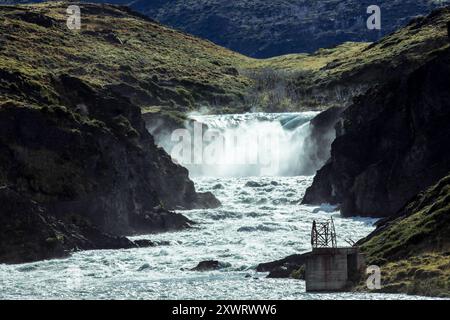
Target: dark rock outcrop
(104,167)
(448,30)
(36,18)
(29,233)
(318,142)
(283,268)
(391,144)
(161,125)
(89,160)
(210,265)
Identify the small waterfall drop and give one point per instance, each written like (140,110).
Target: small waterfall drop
(252,144)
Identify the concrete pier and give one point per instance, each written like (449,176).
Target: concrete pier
(332,269)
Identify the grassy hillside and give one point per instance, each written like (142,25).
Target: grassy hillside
(332,77)
(152,64)
(261,28)
(413,250)
(162,69)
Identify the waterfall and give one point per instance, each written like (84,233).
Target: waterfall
(252,144)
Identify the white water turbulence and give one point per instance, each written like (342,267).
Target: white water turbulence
(260,220)
(253,144)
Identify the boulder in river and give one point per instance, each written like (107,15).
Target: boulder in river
(253,184)
(210,265)
(283,268)
(144,243)
(145,266)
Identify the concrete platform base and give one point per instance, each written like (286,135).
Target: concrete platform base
(332,269)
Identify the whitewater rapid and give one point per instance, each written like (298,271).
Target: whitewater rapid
(253,144)
(261,220)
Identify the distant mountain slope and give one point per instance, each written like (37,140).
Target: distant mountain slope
(188,73)
(261,28)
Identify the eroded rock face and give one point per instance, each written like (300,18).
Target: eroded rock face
(90,160)
(29,233)
(391,144)
(283,268)
(321,136)
(210,265)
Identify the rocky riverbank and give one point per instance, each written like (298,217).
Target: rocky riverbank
(389,144)
(389,160)
(78,168)
(89,161)
(413,249)
(292,266)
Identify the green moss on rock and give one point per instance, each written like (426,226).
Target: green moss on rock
(413,250)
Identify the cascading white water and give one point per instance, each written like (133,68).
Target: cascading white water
(237,145)
(260,220)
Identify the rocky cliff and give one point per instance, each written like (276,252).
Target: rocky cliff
(390,144)
(78,167)
(30,233)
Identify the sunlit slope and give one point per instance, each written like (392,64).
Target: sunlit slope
(152,64)
(159,68)
(332,77)
(413,249)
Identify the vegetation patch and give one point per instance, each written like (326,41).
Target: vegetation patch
(413,250)
(153,65)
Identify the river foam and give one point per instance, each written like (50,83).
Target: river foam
(242,233)
(260,220)
(237,145)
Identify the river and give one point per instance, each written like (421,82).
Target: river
(260,220)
